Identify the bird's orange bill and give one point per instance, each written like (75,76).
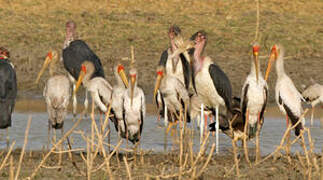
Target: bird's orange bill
(272,57)
(255,54)
(158,80)
(123,76)
(49,57)
(133,82)
(80,79)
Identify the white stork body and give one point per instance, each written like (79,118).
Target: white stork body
(254,95)
(57,95)
(314,94)
(174,67)
(134,109)
(287,96)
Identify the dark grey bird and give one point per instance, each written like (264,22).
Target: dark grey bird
(75,52)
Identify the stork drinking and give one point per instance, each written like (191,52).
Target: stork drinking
(210,82)
(56,93)
(8,91)
(314,95)
(75,52)
(174,94)
(134,108)
(287,96)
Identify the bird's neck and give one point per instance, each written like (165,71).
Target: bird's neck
(87,77)
(69,39)
(198,58)
(280,66)
(119,80)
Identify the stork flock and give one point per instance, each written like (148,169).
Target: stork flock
(189,85)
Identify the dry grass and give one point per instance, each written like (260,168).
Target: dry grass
(29,28)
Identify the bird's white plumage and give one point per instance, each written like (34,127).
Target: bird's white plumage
(57,94)
(205,87)
(314,93)
(286,89)
(174,67)
(256,95)
(133,112)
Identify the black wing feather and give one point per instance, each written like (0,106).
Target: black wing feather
(186,70)
(264,105)
(75,54)
(141,117)
(163,58)
(245,103)
(222,84)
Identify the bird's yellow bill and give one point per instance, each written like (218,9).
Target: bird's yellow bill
(45,65)
(79,81)
(133,81)
(158,80)
(256,59)
(271,59)
(123,76)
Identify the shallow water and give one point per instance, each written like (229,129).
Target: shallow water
(153,134)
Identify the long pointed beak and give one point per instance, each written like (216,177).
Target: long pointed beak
(133,81)
(45,65)
(158,80)
(256,59)
(79,81)
(271,59)
(123,76)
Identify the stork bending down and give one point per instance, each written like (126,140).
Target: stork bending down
(314,95)
(287,96)
(134,109)
(75,52)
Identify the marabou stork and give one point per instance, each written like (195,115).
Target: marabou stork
(100,89)
(254,96)
(8,91)
(56,93)
(209,81)
(117,99)
(314,95)
(174,95)
(75,52)
(134,108)
(177,65)
(287,96)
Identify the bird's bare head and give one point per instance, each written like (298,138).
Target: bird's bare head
(200,40)
(4,53)
(120,71)
(160,74)
(86,71)
(174,31)
(275,52)
(70,29)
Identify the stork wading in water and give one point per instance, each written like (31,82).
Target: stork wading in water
(287,96)
(56,93)
(134,108)
(314,95)
(75,52)
(8,91)
(210,82)
(174,95)
(177,65)
(117,99)
(254,100)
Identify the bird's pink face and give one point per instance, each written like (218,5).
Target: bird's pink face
(200,38)
(70,29)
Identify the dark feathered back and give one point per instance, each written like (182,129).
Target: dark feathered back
(75,54)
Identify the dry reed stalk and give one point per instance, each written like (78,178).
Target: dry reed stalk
(234,146)
(206,162)
(127,166)
(257,24)
(54,146)
(245,143)
(67,151)
(11,169)
(88,161)
(321,173)
(309,164)
(23,148)
(7,156)
(283,139)
(258,156)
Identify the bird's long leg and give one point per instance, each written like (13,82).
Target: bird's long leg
(60,155)
(7,137)
(211,117)
(257,139)
(202,124)
(245,144)
(109,137)
(236,160)
(101,122)
(287,137)
(92,126)
(48,135)
(74,101)
(312,115)
(86,102)
(217,128)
